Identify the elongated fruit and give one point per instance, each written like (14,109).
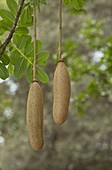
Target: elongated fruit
(62,89)
(35,116)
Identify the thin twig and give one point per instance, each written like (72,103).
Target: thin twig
(60,29)
(35,35)
(8,39)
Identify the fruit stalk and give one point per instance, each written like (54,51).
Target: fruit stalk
(60,30)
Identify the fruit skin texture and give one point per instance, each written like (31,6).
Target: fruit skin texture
(62,90)
(35,116)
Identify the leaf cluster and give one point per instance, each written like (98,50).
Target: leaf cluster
(74,6)
(92,72)
(18,57)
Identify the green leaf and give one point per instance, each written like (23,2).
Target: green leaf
(22,42)
(15,38)
(67,2)
(42,76)
(42,57)
(26,16)
(6,25)
(24,56)
(14,57)
(38,45)
(28,24)
(2,31)
(20,67)
(22,30)
(81,2)
(77,4)
(29,51)
(7,15)
(10,68)
(76,12)
(23,18)
(12,6)
(3,72)
(29,13)
(44,63)
(5,59)
(29,74)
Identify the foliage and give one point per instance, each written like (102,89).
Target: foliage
(76,4)
(18,57)
(96,68)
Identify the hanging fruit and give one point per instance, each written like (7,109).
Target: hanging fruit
(35,116)
(61,93)
(61,83)
(35,106)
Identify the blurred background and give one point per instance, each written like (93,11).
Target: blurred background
(84,141)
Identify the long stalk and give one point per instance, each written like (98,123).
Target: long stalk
(35,35)
(60,30)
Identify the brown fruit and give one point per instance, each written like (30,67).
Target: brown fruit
(62,89)
(35,116)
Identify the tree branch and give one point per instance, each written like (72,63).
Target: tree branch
(8,39)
